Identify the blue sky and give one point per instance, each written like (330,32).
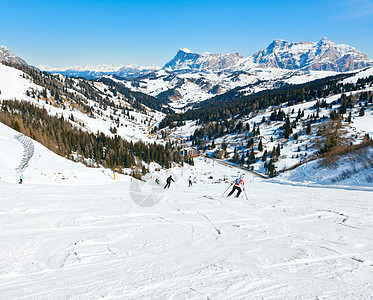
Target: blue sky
(66,33)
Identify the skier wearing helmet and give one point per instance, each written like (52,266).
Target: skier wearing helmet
(238,185)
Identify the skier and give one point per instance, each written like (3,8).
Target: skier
(157,181)
(20,179)
(190,181)
(237,184)
(168,182)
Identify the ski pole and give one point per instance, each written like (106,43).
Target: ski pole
(245,194)
(226,190)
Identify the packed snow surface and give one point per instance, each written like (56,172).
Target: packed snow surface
(84,237)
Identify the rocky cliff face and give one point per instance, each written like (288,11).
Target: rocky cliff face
(323,56)
(187,60)
(8,56)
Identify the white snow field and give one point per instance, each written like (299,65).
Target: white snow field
(83,237)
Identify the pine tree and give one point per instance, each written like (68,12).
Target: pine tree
(264,157)
(242,161)
(16,126)
(349,118)
(251,158)
(235,156)
(287,128)
(260,146)
(271,169)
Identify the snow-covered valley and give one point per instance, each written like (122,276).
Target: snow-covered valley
(84,236)
(73,232)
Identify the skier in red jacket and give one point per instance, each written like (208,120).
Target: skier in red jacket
(238,185)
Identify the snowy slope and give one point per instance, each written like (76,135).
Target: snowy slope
(45,166)
(80,241)
(14,84)
(351,170)
(297,151)
(361,74)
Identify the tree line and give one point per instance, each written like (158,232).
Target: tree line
(220,108)
(61,137)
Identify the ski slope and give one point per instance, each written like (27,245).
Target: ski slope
(86,238)
(44,166)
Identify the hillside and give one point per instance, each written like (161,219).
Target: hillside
(276,131)
(44,166)
(91,106)
(189,88)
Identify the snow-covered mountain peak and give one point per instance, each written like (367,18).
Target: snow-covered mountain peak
(187,60)
(323,55)
(8,56)
(185,50)
(276,44)
(325,40)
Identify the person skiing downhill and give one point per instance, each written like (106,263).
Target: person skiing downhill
(20,179)
(168,182)
(190,181)
(237,184)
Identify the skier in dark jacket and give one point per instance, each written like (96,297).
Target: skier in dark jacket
(190,181)
(168,182)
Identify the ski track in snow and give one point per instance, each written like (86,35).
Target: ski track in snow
(294,244)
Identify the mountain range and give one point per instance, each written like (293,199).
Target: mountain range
(323,55)
(191,77)
(96,71)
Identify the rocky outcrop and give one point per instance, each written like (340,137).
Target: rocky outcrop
(8,56)
(187,60)
(323,55)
